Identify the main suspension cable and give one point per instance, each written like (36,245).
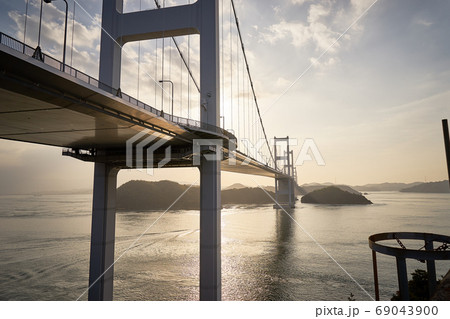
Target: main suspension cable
(250,77)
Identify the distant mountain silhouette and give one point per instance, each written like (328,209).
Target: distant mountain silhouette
(384,187)
(335,196)
(433,187)
(299,190)
(236,186)
(143,195)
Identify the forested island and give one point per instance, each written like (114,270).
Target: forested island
(333,195)
(143,195)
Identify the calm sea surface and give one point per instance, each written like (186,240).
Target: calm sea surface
(44,249)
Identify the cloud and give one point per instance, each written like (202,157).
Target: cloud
(325,62)
(314,30)
(423,22)
(281,83)
(299,2)
(324,23)
(317,11)
(297,32)
(359,6)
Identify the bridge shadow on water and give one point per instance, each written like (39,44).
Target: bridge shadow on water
(271,274)
(282,252)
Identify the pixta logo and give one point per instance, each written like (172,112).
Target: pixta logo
(210,149)
(136,145)
(308,151)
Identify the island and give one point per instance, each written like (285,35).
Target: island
(162,195)
(334,196)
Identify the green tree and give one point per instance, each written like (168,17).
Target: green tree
(417,287)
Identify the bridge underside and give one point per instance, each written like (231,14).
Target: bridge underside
(42,105)
(181,156)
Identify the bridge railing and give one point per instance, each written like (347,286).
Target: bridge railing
(54,63)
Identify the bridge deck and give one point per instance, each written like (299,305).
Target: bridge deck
(44,105)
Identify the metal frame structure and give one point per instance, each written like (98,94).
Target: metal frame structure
(401,254)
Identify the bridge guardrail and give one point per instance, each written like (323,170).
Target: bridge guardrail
(50,61)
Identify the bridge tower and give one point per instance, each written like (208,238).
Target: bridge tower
(285,185)
(119,28)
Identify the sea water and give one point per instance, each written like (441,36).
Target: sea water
(314,252)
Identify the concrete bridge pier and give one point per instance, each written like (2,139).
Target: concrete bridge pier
(210,231)
(101,269)
(210,196)
(285,192)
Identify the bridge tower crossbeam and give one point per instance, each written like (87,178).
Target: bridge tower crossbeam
(285,184)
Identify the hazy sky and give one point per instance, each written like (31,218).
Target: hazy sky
(373,102)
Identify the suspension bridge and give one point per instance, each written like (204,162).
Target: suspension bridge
(211,118)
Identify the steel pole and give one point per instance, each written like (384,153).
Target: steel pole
(431,270)
(402,274)
(169,81)
(25,25)
(447,145)
(375,275)
(40,23)
(65,37)
(65,30)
